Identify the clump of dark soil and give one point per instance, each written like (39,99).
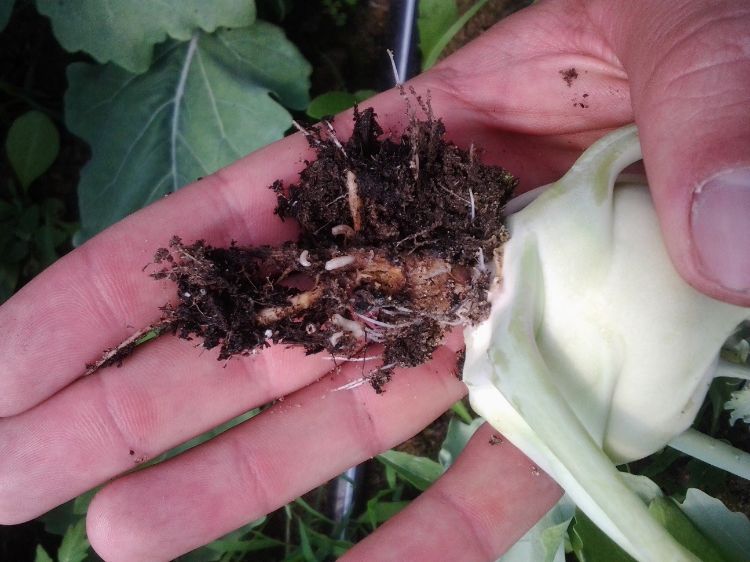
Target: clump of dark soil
(569,75)
(396,244)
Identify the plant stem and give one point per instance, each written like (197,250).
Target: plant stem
(714,452)
(732,370)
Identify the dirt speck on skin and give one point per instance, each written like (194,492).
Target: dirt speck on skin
(569,75)
(460,360)
(394,249)
(495,439)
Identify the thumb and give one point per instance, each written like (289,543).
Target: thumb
(688,63)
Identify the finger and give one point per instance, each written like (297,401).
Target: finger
(513,88)
(689,69)
(164,511)
(485,502)
(106,424)
(98,295)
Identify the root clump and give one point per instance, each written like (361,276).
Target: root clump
(394,247)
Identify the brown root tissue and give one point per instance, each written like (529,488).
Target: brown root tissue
(393,247)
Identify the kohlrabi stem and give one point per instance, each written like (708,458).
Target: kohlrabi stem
(713,451)
(732,370)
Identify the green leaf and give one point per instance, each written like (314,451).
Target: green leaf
(41,554)
(545,541)
(591,545)
(420,472)
(739,405)
(203,104)
(333,102)
(362,95)
(666,512)
(312,511)
(32,145)
(57,521)
(460,409)
(438,30)
(305,543)
(435,19)
(330,103)
(44,240)
(231,544)
(729,531)
(6,8)
(75,545)
(456,438)
(325,546)
(378,512)
(125,31)
(81,503)
(202,438)
(390,476)
(644,487)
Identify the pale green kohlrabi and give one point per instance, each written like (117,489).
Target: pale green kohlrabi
(596,351)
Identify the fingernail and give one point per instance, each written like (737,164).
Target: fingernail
(720,223)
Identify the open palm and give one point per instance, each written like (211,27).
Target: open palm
(513,92)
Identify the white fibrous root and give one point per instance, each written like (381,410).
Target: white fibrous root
(379,323)
(347,325)
(339,262)
(342,359)
(334,138)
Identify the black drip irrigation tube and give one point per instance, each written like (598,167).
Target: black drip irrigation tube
(345,489)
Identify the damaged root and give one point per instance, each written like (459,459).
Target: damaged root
(391,250)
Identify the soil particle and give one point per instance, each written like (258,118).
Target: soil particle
(569,75)
(393,249)
(460,360)
(495,439)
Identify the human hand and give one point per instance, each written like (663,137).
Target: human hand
(504,93)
